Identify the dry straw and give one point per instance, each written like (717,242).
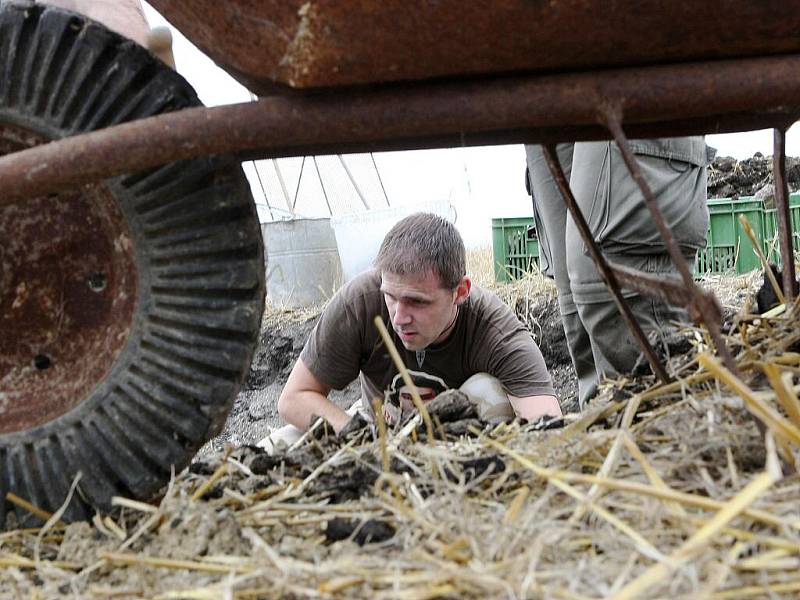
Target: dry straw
(654,491)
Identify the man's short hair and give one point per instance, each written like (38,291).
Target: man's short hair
(424,242)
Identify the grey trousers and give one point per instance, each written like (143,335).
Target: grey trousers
(599,341)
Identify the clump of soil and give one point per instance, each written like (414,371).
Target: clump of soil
(731,178)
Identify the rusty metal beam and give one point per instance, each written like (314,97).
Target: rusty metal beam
(669,290)
(784,217)
(602,265)
(656,101)
(703,306)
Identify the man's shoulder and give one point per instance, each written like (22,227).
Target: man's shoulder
(361,292)
(485,302)
(364,283)
(487,312)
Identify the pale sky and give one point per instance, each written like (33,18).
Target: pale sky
(480,182)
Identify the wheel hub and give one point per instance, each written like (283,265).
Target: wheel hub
(68,290)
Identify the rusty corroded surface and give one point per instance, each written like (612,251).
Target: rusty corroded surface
(784,216)
(67,297)
(655,101)
(307,43)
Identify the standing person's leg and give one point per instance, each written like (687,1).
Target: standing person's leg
(551,223)
(620,221)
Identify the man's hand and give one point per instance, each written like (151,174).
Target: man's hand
(356,424)
(305,396)
(532,408)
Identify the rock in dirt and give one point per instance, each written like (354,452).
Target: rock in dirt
(83,544)
(766,296)
(348,481)
(452,405)
(200,530)
(543,318)
(462,427)
(366,532)
(278,349)
(357,425)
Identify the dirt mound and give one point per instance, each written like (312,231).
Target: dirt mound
(543,318)
(731,178)
(278,348)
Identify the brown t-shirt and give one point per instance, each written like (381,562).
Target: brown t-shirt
(487,338)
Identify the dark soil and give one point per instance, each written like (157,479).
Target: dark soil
(255,411)
(277,351)
(731,178)
(544,320)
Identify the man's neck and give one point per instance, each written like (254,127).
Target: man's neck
(449,329)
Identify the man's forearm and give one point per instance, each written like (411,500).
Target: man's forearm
(298,408)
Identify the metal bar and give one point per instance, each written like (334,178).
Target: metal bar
(784,215)
(703,305)
(368,41)
(322,185)
(284,191)
(669,290)
(380,179)
(602,266)
(353,181)
(263,190)
(657,101)
(299,179)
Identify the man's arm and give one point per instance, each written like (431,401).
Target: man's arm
(304,396)
(533,407)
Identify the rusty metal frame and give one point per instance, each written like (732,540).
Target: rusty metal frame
(607,273)
(784,218)
(683,99)
(655,101)
(703,306)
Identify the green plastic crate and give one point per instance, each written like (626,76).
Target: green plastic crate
(772,247)
(729,249)
(515,247)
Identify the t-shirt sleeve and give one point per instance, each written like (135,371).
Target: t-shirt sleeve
(514,357)
(333,350)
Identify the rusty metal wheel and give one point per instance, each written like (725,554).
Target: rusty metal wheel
(129,309)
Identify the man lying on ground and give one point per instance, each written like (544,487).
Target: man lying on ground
(446,329)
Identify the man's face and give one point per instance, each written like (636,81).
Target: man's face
(421,310)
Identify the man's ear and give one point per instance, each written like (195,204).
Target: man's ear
(462,290)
